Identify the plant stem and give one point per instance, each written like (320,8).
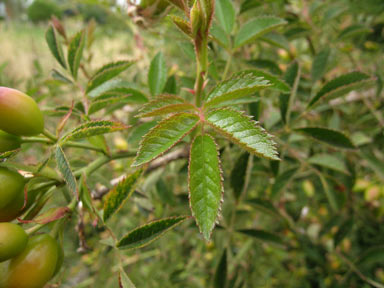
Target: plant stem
(83,146)
(93,166)
(36,140)
(49,135)
(202,68)
(227,66)
(67,144)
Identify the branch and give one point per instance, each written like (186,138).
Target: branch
(182,153)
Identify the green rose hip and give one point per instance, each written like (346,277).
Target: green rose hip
(11,194)
(19,113)
(8,142)
(13,240)
(34,267)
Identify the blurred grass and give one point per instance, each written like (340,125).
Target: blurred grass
(24,43)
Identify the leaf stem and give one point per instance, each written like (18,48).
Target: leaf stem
(227,66)
(83,146)
(49,135)
(93,166)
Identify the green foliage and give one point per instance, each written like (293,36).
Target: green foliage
(243,131)
(148,233)
(43,10)
(305,181)
(164,136)
(120,194)
(157,75)
(205,183)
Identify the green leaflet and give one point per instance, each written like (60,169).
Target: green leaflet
(248,5)
(329,161)
(55,46)
(276,39)
(164,136)
(263,236)
(107,72)
(119,86)
(110,98)
(274,82)
(146,234)
(371,255)
(267,65)
(282,181)
(124,280)
(354,30)
(205,183)
(343,85)
(75,52)
(320,63)
(7,155)
(238,174)
(242,130)
(292,77)
(332,137)
(238,86)
(164,104)
(218,34)
(220,279)
(65,170)
(255,28)
(226,15)
(157,75)
(329,193)
(182,24)
(60,77)
(265,206)
(120,194)
(93,128)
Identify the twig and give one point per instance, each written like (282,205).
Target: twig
(160,162)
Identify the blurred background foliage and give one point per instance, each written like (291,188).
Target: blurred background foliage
(306,242)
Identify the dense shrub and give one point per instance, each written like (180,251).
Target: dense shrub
(43,10)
